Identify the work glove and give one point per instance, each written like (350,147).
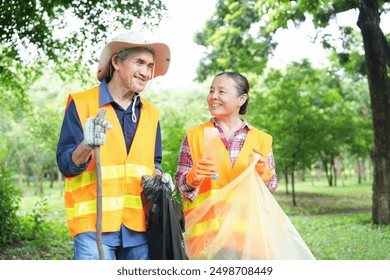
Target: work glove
(202,168)
(262,167)
(95,130)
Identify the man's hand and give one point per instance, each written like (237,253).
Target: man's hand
(157,172)
(262,167)
(95,130)
(202,168)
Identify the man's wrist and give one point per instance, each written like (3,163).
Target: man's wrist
(88,146)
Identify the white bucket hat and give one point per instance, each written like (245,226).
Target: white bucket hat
(162,54)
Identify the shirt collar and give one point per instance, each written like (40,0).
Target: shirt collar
(245,123)
(105,96)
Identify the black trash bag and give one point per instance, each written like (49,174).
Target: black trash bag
(164,219)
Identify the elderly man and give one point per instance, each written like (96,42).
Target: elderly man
(131,147)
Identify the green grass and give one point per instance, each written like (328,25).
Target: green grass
(335,223)
(344,237)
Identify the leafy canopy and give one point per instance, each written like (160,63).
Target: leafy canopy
(239,35)
(43,23)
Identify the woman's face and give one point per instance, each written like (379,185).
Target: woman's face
(223,99)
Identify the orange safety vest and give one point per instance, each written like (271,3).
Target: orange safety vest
(255,139)
(121,172)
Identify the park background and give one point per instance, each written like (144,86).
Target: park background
(307,65)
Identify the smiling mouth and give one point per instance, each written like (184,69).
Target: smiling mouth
(216,105)
(141,79)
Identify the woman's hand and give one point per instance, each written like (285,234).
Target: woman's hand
(262,167)
(202,168)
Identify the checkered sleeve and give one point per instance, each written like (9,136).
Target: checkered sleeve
(184,165)
(273,183)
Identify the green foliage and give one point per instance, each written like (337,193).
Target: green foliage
(53,243)
(62,36)
(230,43)
(309,115)
(38,216)
(15,78)
(38,22)
(351,56)
(30,137)
(43,232)
(172,137)
(239,35)
(9,205)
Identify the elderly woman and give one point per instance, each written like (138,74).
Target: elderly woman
(227,100)
(131,148)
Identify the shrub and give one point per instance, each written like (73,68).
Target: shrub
(9,205)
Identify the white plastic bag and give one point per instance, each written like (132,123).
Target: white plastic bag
(243,221)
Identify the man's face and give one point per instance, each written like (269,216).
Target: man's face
(136,70)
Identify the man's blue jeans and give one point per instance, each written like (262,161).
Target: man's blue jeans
(85,248)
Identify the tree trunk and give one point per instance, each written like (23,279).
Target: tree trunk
(328,172)
(293,189)
(22,172)
(377,55)
(359,171)
(293,182)
(364,170)
(60,184)
(38,171)
(286,179)
(333,170)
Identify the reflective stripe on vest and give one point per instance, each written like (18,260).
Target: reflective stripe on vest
(108,172)
(109,204)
